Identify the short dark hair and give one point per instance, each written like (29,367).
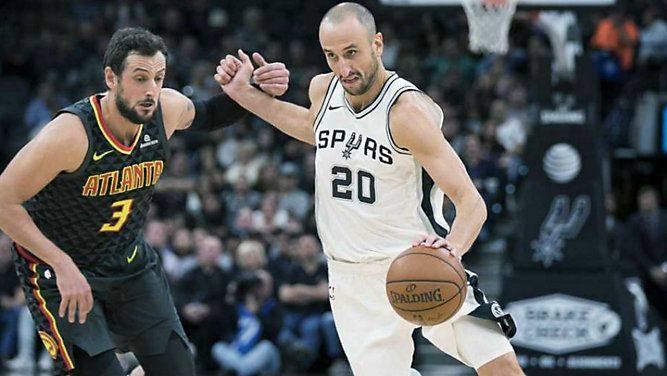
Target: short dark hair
(128,40)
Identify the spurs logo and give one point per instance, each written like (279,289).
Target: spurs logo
(561,223)
(352,143)
(649,348)
(647,340)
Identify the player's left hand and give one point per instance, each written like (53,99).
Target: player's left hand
(234,75)
(227,69)
(272,78)
(435,241)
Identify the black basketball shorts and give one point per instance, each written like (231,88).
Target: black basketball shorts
(131,313)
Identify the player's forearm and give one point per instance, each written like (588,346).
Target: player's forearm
(470,216)
(311,293)
(319,292)
(294,294)
(289,118)
(17,224)
(287,294)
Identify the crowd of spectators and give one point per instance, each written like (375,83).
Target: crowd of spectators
(233,213)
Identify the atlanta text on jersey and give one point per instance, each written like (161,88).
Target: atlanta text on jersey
(128,179)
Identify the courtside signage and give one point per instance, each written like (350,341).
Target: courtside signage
(559,324)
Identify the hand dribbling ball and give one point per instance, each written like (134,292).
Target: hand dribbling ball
(426,286)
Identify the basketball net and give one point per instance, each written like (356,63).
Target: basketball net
(489,24)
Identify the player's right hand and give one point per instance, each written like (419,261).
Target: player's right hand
(433,241)
(75,292)
(436,241)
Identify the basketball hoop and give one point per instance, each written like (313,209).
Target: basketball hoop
(489,24)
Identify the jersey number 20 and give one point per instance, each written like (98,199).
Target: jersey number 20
(342,185)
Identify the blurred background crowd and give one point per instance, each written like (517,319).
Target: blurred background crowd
(233,213)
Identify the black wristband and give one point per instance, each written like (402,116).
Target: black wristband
(217,112)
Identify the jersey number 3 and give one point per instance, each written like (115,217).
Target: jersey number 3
(123,210)
(343,180)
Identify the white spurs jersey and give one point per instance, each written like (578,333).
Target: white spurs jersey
(372,197)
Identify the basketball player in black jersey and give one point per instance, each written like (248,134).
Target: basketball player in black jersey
(74,200)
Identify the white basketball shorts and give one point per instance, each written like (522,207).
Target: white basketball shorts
(377,341)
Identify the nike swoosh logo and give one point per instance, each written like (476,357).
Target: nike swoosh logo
(335,107)
(133,255)
(97,157)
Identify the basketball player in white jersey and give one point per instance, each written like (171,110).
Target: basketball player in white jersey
(379,150)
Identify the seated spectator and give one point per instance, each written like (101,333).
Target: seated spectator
(617,238)
(652,55)
(201,299)
(647,232)
(511,134)
(241,197)
(250,256)
(308,319)
(270,217)
(243,223)
(617,34)
(291,198)
(213,213)
(615,39)
(43,107)
(280,256)
(652,38)
(247,165)
(268,175)
(248,346)
(177,181)
(180,256)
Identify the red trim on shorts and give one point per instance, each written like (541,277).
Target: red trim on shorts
(41,305)
(27,255)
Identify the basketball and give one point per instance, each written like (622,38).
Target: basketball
(426,286)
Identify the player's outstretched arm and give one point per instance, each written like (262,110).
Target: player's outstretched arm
(293,120)
(219,111)
(60,146)
(415,122)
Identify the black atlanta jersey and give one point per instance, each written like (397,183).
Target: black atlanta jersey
(97,213)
